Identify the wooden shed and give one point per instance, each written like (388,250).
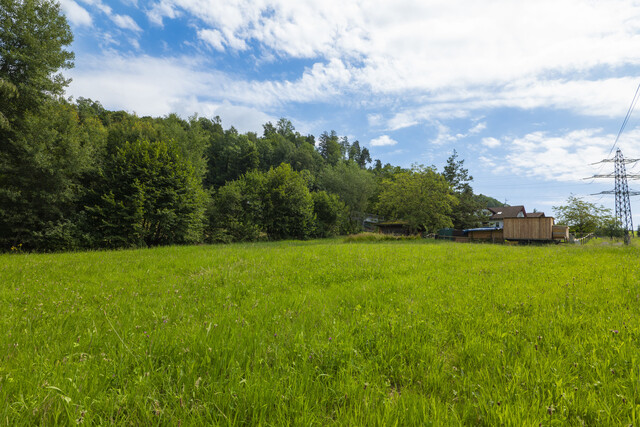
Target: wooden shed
(485,235)
(526,229)
(560,232)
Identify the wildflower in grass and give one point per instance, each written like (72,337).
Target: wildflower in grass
(615,331)
(329,338)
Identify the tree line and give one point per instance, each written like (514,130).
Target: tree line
(75,175)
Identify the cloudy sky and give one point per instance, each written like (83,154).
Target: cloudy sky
(529,93)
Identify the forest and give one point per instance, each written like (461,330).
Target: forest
(75,175)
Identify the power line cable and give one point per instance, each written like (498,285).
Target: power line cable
(626,119)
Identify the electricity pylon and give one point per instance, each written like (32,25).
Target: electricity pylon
(621,191)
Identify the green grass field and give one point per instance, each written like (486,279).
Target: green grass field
(322,332)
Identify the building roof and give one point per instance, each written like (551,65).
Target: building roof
(535,215)
(506,212)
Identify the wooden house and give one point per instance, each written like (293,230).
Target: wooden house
(529,229)
(499,214)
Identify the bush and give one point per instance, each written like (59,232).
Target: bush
(376,237)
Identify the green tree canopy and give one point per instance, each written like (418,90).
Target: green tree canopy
(581,216)
(456,174)
(330,213)
(33,34)
(466,213)
(421,197)
(42,176)
(330,148)
(288,205)
(235,211)
(348,181)
(276,202)
(7,91)
(149,195)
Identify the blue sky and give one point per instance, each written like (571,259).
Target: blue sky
(529,93)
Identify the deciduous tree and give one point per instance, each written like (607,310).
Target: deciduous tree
(421,197)
(149,195)
(581,216)
(33,36)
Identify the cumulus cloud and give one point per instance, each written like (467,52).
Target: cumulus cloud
(212,37)
(426,61)
(158,86)
(125,22)
(382,141)
(416,62)
(491,142)
(76,14)
(565,156)
(445,136)
(477,128)
(431,50)
(122,21)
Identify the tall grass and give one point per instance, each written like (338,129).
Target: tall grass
(321,332)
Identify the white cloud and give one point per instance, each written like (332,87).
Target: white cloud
(489,162)
(425,62)
(159,86)
(604,98)
(445,136)
(374,119)
(402,120)
(135,43)
(122,21)
(428,61)
(98,4)
(430,46)
(125,22)
(162,10)
(491,142)
(318,83)
(477,128)
(566,156)
(213,37)
(75,13)
(383,140)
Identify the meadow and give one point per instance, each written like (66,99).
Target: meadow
(322,332)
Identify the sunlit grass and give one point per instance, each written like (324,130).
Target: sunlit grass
(321,332)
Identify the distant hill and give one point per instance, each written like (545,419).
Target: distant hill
(486,201)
